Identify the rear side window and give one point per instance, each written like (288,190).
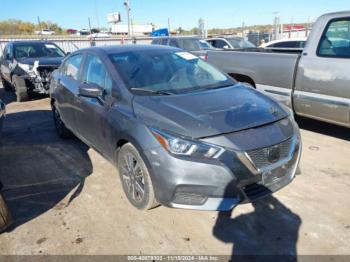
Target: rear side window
(219,43)
(335,41)
(155,42)
(289,44)
(95,73)
(164,41)
(71,66)
(174,43)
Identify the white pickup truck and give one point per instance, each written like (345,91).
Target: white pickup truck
(314,83)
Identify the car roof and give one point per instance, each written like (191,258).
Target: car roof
(224,38)
(116,49)
(32,42)
(177,37)
(301,39)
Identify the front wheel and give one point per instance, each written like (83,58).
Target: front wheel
(5,84)
(20,87)
(135,178)
(5,216)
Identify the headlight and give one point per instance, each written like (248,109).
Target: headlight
(25,67)
(186,147)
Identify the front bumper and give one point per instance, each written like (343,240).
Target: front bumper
(216,184)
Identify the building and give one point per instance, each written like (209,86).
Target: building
(295,31)
(136,30)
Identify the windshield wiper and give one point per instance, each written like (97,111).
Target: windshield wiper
(157,92)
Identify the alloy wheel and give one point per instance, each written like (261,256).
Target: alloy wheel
(133,177)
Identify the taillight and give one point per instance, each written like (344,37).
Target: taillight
(204,57)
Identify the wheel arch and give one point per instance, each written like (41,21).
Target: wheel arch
(243,78)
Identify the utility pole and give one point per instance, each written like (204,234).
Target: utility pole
(169,26)
(41,31)
(243,25)
(127,7)
(90,26)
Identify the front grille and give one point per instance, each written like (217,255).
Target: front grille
(46,71)
(264,157)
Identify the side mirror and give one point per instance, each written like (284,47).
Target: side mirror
(90,90)
(226,47)
(68,53)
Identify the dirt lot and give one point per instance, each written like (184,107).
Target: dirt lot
(66,199)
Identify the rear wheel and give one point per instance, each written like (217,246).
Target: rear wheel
(5,216)
(20,88)
(61,128)
(135,178)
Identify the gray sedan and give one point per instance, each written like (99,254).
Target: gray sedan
(2,113)
(180,132)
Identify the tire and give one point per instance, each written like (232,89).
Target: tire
(61,129)
(5,215)
(135,176)
(5,84)
(20,88)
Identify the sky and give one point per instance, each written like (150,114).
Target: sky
(185,13)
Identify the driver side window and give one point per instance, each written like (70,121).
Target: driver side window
(220,43)
(95,72)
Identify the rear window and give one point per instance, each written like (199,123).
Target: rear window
(189,44)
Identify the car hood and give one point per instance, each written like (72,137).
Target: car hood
(43,61)
(209,113)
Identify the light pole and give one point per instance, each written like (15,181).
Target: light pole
(127,6)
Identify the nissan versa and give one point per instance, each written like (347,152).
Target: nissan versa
(180,132)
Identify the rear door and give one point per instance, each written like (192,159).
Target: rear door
(67,82)
(93,112)
(323,82)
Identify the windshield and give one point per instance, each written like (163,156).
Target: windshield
(167,71)
(240,43)
(189,44)
(35,50)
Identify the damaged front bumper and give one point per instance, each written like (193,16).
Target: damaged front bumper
(37,77)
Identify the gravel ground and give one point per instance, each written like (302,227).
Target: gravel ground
(66,199)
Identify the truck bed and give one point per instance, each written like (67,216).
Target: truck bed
(266,67)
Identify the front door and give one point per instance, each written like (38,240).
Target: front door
(323,79)
(92,116)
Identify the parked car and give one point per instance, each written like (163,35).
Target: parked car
(5,216)
(45,32)
(296,44)
(192,44)
(2,114)
(230,42)
(26,66)
(99,35)
(84,32)
(314,83)
(180,132)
